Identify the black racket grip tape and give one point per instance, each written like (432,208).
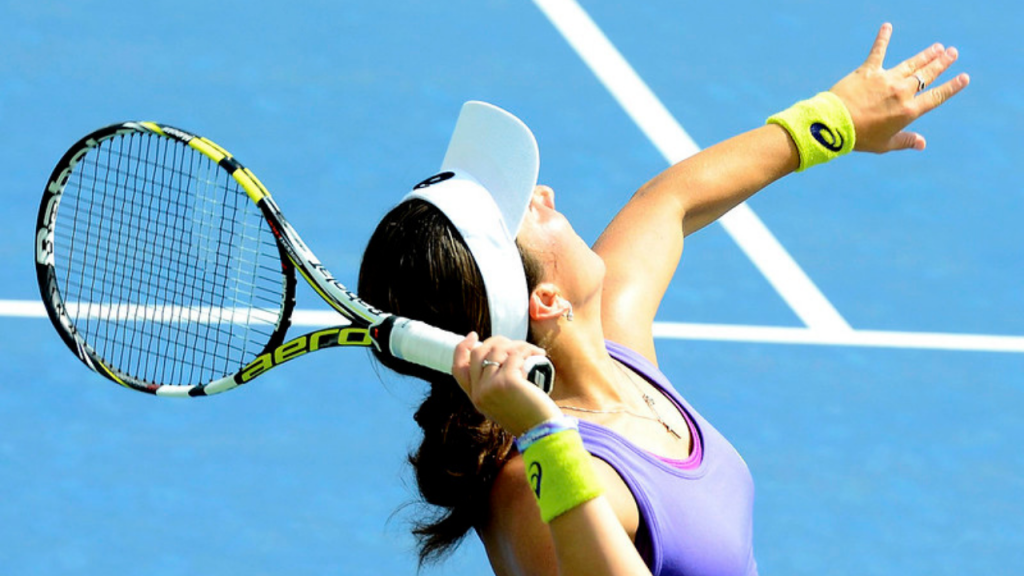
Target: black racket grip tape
(541,372)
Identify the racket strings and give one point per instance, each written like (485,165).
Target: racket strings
(170,271)
(159,353)
(162,274)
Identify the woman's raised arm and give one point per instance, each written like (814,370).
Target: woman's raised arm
(642,245)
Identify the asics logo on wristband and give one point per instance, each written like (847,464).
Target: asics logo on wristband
(535,474)
(824,135)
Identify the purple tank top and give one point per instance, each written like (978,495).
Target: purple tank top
(693,522)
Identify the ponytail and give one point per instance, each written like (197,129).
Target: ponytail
(417,265)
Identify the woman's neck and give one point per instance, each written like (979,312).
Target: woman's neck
(585,373)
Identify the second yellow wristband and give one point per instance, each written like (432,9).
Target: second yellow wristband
(821,128)
(559,471)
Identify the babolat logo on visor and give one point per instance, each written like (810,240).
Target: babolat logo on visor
(435,179)
(824,135)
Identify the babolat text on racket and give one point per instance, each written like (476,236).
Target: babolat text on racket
(166,266)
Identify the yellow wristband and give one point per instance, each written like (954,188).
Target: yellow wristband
(559,470)
(821,128)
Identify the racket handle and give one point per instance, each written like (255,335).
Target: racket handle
(425,345)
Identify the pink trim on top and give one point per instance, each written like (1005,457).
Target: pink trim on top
(696,455)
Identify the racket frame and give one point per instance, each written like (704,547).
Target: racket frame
(403,338)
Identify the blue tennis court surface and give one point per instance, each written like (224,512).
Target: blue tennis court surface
(883,438)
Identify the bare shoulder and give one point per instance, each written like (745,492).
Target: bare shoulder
(517,540)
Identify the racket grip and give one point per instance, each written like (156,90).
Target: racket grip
(426,345)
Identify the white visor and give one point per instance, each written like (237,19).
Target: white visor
(485,186)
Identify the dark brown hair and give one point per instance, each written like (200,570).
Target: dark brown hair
(416,264)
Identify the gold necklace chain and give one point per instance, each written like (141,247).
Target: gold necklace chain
(647,400)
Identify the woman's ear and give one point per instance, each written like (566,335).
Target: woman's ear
(546,303)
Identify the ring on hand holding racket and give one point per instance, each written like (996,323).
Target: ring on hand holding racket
(166,266)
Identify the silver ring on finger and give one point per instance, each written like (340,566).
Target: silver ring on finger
(920,81)
(487,363)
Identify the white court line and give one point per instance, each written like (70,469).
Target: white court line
(22,309)
(707,332)
(669,137)
(858,338)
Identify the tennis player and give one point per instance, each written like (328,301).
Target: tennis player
(614,472)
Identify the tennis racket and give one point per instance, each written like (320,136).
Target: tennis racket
(166,266)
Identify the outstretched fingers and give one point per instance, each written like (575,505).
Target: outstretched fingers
(932,99)
(918,61)
(877,55)
(906,140)
(883,102)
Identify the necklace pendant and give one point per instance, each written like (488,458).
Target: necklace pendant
(673,431)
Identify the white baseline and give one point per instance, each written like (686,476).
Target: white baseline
(708,332)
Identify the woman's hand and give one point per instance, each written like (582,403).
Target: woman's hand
(884,102)
(491,374)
